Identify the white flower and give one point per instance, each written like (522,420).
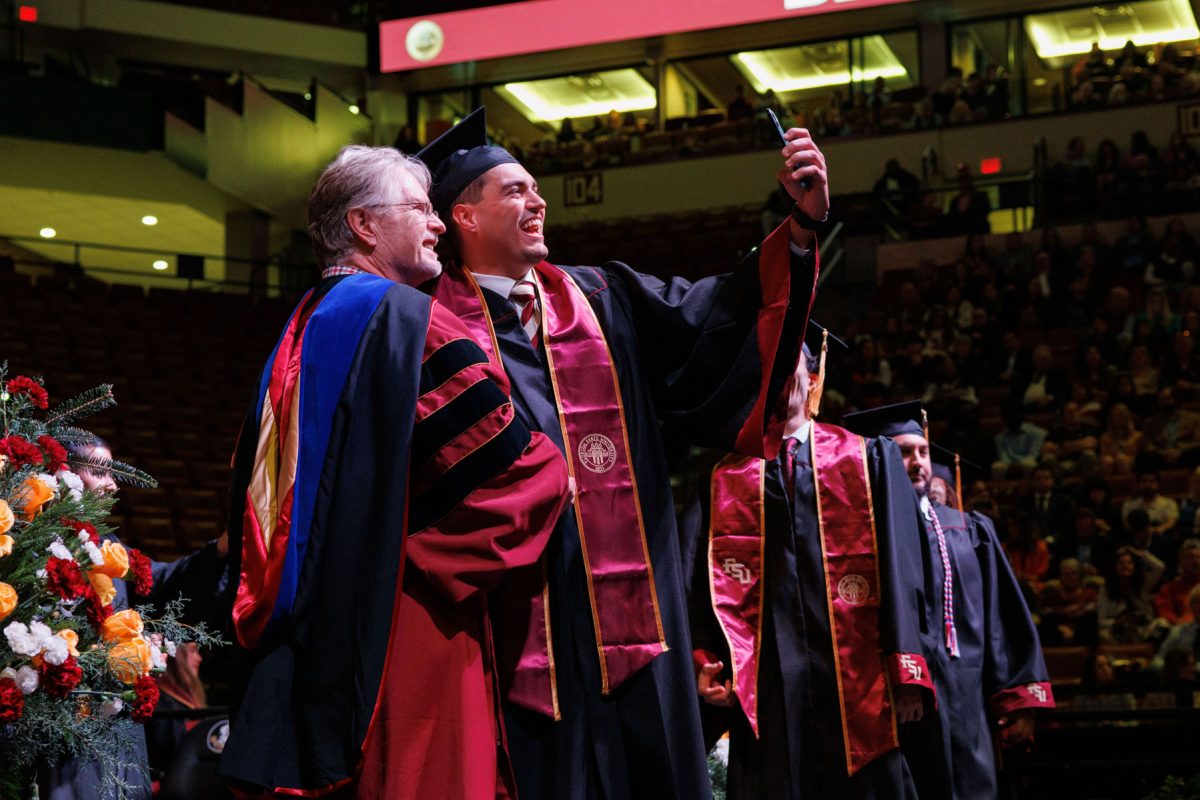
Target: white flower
(27,679)
(83,536)
(170,647)
(73,483)
(21,639)
(158,659)
(111,707)
(92,551)
(56,651)
(8,672)
(49,480)
(59,550)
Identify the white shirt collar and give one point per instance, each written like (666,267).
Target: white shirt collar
(801,433)
(926,507)
(500,284)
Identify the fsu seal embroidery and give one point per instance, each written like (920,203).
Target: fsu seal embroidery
(597,453)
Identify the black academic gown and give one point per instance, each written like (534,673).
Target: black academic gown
(999,668)
(800,751)
(686,356)
(201,578)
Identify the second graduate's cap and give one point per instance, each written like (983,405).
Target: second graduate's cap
(458,157)
(946,462)
(897,419)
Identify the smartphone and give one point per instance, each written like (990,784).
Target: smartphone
(783,140)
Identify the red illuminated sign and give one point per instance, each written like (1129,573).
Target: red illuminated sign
(27,14)
(989,166)
(537,26)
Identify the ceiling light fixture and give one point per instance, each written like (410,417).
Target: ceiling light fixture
(160,265)
(354,109)
(149,219)
(575,96)
(1072,32)
(47,233)
(797,69)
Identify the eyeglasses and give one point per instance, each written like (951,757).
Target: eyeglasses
(425,209)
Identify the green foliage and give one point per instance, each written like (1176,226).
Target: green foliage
(1176,788)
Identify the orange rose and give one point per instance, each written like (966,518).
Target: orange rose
(72,640)
(130,660)
(116,561)
(6,544)
(103,586)
(8,600)
(6,517)
(123,626)
(30,498)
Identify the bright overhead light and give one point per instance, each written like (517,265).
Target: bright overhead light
(354,109)
(1072,32)
(593,95)
(149,219)
(796,69)
(160,265)
(47,233)
(308,95)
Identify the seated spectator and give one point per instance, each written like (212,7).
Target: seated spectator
(1171,436)
(924,116)
(870,367)
(982,500)
(1174,266)
(1162,323)
(566,131)
(1136,247)
(1162,511)
(1019,444)
(1143,373)
(1088,543)
(1119,443)
(1093,373)
(180,688)
(1013,361)
(1044,388)
(1107,170)
(898,187)
(1073,445)
(1068,605)
(1183,637)
(1180,161)
(1047,507)
(1098,672)
(1155,550)
(1189,508)
(1124,609)
(1097,495)
(969,209)
(1015,261)
(1173,602)
(1027,552)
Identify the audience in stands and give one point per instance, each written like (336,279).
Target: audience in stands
(1162,511)
(1173,602)
(1099,672)
(1120,441)
(1182,642)
(1068,607)
(1019,444)
(1124,610)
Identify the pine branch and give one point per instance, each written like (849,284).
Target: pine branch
(82,405)
(120,471)
(69,436)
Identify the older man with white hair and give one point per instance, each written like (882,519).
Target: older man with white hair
(381,486)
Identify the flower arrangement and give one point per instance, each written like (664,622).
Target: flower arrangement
(75,674)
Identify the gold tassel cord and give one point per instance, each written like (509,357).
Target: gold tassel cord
(958,482)
(818,388)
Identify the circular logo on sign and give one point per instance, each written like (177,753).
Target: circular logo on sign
(424,40)
(597,453)
(854,589)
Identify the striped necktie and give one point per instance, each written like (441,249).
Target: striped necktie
(524,297)
(947,585)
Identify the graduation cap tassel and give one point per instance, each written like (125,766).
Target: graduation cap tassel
(925,424)
(818,388)
(958,482)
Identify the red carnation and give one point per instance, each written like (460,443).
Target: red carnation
(28,386)
(65,579)
(12,702)
(81,527)
(58,681)
(141,572)
(96,611)
(145,691)
(20,451)
(56,454)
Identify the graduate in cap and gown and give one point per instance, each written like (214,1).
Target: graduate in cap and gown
(981,641)
(592,642)
(805,584)
(382,485)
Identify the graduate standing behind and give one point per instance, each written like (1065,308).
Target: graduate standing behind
(382,485)
(981,644)
(806,579)
(593,642)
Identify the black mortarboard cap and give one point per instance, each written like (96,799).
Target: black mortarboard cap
(458,157)
(891,420)
(944,463)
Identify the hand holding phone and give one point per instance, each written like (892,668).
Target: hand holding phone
(783,140)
